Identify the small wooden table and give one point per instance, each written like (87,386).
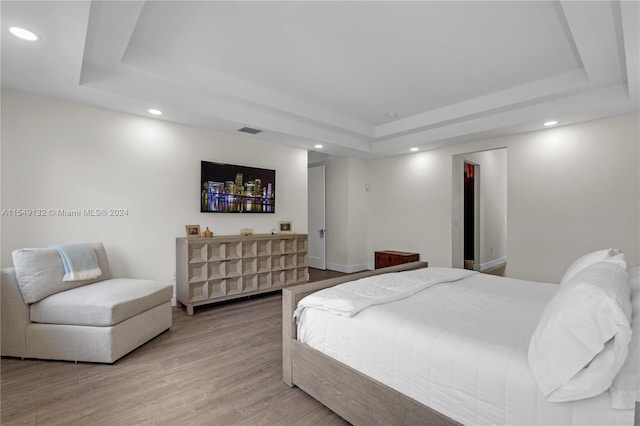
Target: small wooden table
(390,258)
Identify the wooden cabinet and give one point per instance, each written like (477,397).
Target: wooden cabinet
(391,258)
(220,268)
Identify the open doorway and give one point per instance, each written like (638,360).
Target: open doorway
(471,214)
(479,198)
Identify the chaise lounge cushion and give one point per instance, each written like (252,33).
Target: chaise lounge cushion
(105,303)
(40,272)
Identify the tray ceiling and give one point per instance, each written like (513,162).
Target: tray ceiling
(364,79)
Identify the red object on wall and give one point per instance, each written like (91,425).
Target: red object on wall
(469,170)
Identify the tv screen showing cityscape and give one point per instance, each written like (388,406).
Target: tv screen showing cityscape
(227,188)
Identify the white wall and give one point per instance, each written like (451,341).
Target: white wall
(410,206)
(357,215)
(336,213)
(61,155)
(346,212)
(571,190)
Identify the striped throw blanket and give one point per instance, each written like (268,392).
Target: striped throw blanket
(80,262)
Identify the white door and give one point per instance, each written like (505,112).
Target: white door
(317,256)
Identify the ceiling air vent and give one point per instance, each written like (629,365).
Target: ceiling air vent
(250,130)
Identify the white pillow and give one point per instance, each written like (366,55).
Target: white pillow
(582,262)
(625,390)
(582,337)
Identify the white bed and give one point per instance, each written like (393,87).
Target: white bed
(457,347)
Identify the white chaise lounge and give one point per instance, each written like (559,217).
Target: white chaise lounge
(97,320)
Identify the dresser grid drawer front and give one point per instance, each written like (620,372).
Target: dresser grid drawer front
(213,269)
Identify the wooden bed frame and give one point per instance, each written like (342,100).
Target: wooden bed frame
(355,397)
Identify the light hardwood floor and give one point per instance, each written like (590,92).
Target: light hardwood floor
(221,366)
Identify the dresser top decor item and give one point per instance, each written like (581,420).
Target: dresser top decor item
(285,227)
(193,231)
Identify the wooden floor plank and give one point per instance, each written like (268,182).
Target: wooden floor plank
(221,366)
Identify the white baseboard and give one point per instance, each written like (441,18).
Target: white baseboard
(347,269)
(493,263)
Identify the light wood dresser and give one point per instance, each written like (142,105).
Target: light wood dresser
(210,270)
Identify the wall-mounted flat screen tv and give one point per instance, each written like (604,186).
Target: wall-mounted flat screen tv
(227,188)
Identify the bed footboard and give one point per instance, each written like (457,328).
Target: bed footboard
(355,397)
(292,295)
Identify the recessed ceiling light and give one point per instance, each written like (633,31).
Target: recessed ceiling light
(23,34)
(414,149)
(391,115)
(550,123)
(154,111)
(318,146)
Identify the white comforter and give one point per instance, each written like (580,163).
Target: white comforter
(458,347)
(350,298)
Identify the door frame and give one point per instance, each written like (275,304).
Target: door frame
(457,223)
